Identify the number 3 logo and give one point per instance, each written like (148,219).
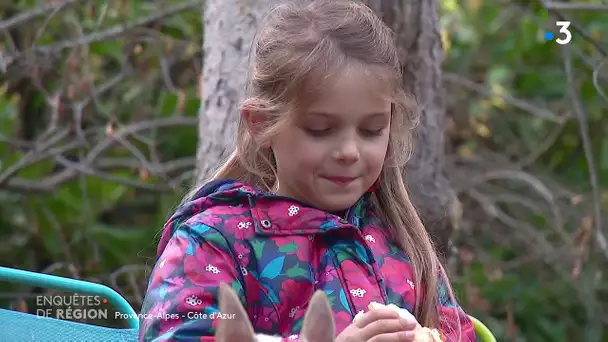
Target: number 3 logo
(564,29)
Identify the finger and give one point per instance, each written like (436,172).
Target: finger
(375,315)
(385,326)
(402,336)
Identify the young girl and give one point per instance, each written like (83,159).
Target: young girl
(312,197)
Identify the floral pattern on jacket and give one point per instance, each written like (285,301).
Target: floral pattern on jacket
(275,252)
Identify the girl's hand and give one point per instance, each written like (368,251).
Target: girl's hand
(381,325)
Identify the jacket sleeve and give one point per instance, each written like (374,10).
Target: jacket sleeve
(455,324)
(183,288)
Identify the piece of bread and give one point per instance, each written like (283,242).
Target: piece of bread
(423,334)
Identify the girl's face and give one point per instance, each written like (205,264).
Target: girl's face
(333,153)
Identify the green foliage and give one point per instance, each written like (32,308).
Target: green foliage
(125,69)
(501,48)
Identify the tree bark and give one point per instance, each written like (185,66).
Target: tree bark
(229,29)
(416,26)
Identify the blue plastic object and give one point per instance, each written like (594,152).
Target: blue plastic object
(19,326)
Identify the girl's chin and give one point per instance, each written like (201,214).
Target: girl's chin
(334,202)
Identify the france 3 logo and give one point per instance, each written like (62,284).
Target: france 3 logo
(564,36)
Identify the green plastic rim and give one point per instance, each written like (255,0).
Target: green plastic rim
(482,331)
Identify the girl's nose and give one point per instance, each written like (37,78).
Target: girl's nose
(347,152)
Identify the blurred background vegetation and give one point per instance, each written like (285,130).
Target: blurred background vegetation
(98,137)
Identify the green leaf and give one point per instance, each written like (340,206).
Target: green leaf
(216,238)
(296,272)
(192,106)
(168,103)
(258,247)
(109,48)
(289,248)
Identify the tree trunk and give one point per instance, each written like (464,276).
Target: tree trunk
(229,28)
(416,25)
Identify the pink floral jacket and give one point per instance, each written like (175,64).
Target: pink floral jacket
(275,252)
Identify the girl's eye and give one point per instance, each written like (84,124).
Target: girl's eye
(318,132)
(372,132)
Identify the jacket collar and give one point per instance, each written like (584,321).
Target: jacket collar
(278,215)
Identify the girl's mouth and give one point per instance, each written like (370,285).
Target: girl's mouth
(341,181)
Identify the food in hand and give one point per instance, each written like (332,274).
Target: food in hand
(423,334)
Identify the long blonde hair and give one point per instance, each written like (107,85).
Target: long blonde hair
(296,50)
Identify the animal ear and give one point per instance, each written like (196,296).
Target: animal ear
(238,328)
(318,323)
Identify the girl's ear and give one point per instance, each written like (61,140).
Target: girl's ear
(255,124)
